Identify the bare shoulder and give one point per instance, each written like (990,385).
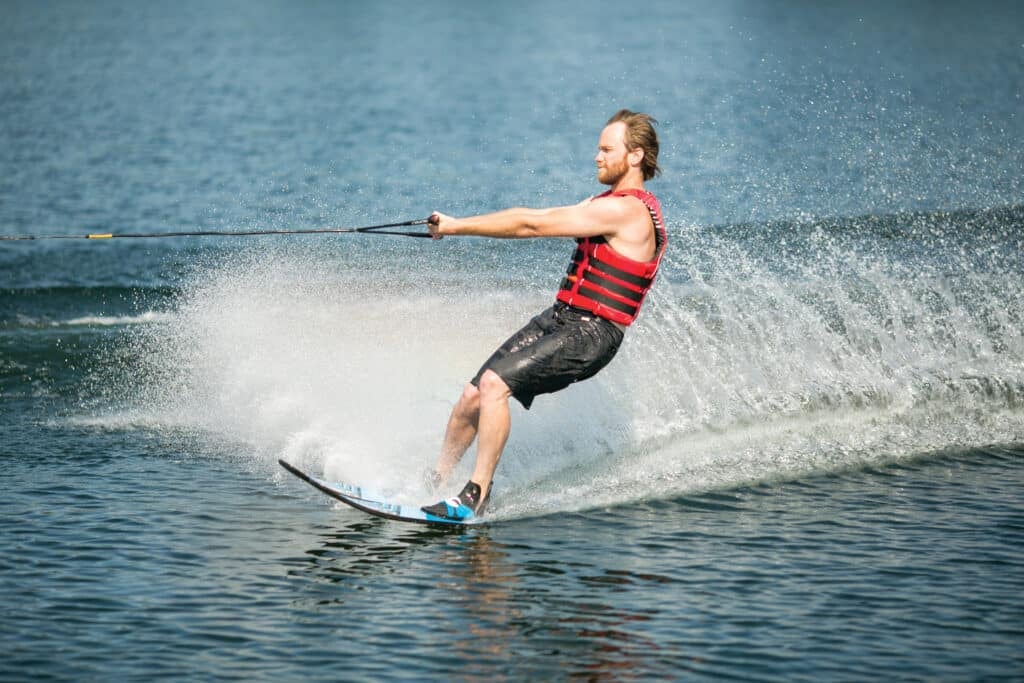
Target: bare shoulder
(632,230)
(627,217)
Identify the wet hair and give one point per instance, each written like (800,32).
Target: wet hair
(640,133)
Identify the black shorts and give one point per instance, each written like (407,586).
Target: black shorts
(560,346)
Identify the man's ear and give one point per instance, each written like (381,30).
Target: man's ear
(636,156)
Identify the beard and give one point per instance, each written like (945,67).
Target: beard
(611,174)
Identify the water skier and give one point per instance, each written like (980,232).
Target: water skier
(620,238)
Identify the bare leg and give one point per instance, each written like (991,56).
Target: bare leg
(494,424)
(461,430)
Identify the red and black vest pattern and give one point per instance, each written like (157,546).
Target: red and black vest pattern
(606,283)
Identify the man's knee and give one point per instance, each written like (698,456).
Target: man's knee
(469,402)
(492,386)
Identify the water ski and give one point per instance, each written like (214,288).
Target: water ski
(370,502)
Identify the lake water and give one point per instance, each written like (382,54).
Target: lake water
(805,464)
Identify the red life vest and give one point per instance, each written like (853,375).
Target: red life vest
(606,283)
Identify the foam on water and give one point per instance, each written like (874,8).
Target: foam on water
(144,318)
(753,361)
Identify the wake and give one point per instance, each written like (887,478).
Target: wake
(762,354)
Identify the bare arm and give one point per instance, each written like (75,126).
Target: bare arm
(607,217)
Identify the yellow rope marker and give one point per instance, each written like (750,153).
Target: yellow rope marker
(101,236)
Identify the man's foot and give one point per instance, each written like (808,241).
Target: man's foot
(463,507)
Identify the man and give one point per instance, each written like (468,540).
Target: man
(620,239)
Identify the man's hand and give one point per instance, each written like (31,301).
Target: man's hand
(436,223)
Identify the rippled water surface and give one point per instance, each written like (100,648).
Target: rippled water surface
(131,572)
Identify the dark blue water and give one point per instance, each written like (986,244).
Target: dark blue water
(805,464)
